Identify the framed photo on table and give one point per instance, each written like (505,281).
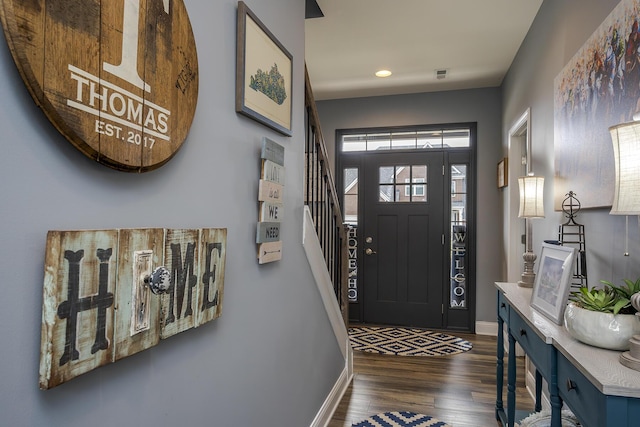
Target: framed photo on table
(551,287)
(264,70)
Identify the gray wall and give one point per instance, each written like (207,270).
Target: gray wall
(559,30)
(479,105)
(271,359)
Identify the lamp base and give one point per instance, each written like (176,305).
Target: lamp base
(527,280)
(528,276)
(631,358)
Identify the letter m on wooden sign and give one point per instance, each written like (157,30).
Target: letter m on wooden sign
(195,259)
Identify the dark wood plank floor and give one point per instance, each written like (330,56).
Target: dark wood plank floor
(458,389)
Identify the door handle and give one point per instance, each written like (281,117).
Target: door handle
(369,251)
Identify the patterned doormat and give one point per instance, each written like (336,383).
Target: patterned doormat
(405,341)
(400,419)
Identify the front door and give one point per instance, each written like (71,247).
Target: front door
(408,197)
(403,238)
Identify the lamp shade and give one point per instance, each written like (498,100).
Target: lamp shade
(626,152)
(531,196)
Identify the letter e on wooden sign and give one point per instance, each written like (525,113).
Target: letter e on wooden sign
(118,78)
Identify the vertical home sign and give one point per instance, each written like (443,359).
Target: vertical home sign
(99,303)
(118,78)
(270,196)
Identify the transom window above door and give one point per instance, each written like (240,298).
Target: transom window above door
(402,183)
(407,140)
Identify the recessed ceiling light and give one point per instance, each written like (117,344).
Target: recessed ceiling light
(383,73)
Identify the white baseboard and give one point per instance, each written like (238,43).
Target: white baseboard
(530,382)
(324,415)
(487,328)
(315,257)
(491,328)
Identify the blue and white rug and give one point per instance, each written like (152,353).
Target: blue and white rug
(400,419)
(405,341)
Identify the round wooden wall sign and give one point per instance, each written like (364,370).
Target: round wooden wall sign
(118,78)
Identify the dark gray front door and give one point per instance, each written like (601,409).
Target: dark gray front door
(403,227)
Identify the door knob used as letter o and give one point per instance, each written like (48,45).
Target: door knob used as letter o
(159,281)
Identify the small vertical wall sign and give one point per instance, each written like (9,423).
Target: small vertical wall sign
(270,196)
(118,78)
(99,305)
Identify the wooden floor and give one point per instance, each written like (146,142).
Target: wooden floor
(459,389)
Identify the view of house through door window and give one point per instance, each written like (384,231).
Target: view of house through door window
(407,198)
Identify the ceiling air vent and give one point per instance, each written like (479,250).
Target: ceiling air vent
(441,74)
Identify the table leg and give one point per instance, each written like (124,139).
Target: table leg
(554,397)
(511,382)
(499,368)
(538,406)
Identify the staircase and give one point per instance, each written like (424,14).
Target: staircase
(325,244)
(321,199)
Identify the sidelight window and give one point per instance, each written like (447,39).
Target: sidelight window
(458,237)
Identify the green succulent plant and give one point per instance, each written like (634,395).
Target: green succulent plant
(610,299)
(630,287)
(604,300)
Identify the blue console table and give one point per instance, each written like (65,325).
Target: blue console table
(591,381)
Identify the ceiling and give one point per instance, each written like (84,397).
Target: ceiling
(474,41)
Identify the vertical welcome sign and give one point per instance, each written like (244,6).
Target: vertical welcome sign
(118,78)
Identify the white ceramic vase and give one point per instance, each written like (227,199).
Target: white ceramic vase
(603,330)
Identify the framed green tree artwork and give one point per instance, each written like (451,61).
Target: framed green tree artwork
(264,71)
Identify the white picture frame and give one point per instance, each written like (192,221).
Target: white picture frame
(553,280)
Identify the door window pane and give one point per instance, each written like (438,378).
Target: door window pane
(430,139)
(386,193)
(403,140)
(378,141)
(354,143)
(387,175)
(456,138)
(403,174)
(419,176)
(403,184)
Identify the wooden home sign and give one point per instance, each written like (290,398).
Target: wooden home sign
(100,302)
(118,78)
